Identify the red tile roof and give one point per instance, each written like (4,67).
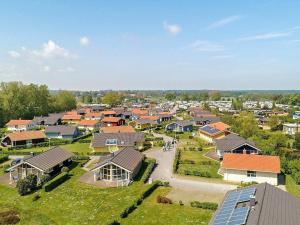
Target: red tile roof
(111,119)
(18,122)
(139,112)
(155,118)
(93,115)
(219,125)
(108,112)
(88,122)
(26,135)
(71,117)
(260,163)
(118,129)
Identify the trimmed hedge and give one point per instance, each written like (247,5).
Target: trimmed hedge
(176,160)
(3,158)
(58,180)
(139,201)
(149,170)
(204,205)
(82,137)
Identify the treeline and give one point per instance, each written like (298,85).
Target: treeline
(18,100)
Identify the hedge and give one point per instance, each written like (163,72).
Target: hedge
(204,205)
(3,158)
(149,170)
(58,180)
(139,201)
(82,137)
(176,160)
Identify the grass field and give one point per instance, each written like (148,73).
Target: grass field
(76,203)
(292,187)
(151,212)
(194,162)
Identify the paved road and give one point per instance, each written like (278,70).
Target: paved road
(164,171)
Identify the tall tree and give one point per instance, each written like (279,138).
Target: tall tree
(245,125)
(112,98)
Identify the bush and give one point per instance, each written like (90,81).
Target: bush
(3,158)
(23,187)
(149,170)
(181,203)
(32,181)
(52,184)
(164,200)
(296,177)
(82,137)
(65,169)
(176,160)
(9,217)
(36,197)
(204,205)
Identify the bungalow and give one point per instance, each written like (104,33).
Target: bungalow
(117,129)
(204,120)
(165,116)
(209,133)
(251,168)
(50,120)
(120,166)
(153,118)
(291,128)
(261,204)
(89,125)
(47,163)
(71,118)
(109,113)
(113,121)
(23,138)
(180,126)
(233,143)
(20,125)
(220,126)
(110,142)
(136,113)
(145,124)
(93,116)
(62,132)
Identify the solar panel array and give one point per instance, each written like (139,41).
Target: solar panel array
(228,214)
(210,130)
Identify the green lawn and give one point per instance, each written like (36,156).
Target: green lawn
(193,162)
(292,187)
(151,212)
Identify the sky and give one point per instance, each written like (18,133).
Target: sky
(151,44)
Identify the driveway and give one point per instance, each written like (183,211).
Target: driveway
(184,188)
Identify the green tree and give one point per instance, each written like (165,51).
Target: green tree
(170,96)
(112,98)
(63,101)
(297,141)
(273,122)
(215,96)
(245,125)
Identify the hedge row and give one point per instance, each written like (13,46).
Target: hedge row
(176,161)
(204,205)
(3,158)
(82,137)
(139,201)
(149,170)
(199,173)
(58,180)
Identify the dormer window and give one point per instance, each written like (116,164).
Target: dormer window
(111,142)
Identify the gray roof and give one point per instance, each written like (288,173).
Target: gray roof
(61,129)
(128,158)
(210,130)
(49,159)
(209,119)
(273,207)
(183,123)
(231,142)
(146,121)
(123,139)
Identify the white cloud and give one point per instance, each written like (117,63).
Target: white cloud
(266,36)
(206,46)
(52,50)
(228,56)
(84,41)
(46,69)
(173,29)
(224,21)
(14,54)
(69,69)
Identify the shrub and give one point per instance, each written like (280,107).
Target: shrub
(44,178)
(3,158)
(149,170)
(164,200)
(296,177)
(36,197)
(204,205)
(32,181)
(52,184)
(176,160)
(9,217)
(23,187)
(65,169)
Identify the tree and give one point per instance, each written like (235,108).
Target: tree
(23,187)
(215,96)
(32,181)
(274,122)
(245,125)
(112,98)
(297,141)
(63,101)
(170,96)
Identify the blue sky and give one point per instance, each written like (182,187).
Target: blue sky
(92,45)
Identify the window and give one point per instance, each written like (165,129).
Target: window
(111,142)
(251,174)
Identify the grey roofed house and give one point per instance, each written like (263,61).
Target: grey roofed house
(61,131)
(122,139)
(203,120)
(146,121)
(180,126)
(50,120)
(272,206)
(209,130)
(235,144)
(127,158)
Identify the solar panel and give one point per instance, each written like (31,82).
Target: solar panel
(228,214)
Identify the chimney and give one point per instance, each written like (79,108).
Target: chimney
(252,201)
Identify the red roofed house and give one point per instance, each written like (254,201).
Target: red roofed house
(117,129)
(109,113)
(251,168)
(71,118)
(20,125)
(220,126)
(93,116)
(89,125)
(24,138)
(113,121)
